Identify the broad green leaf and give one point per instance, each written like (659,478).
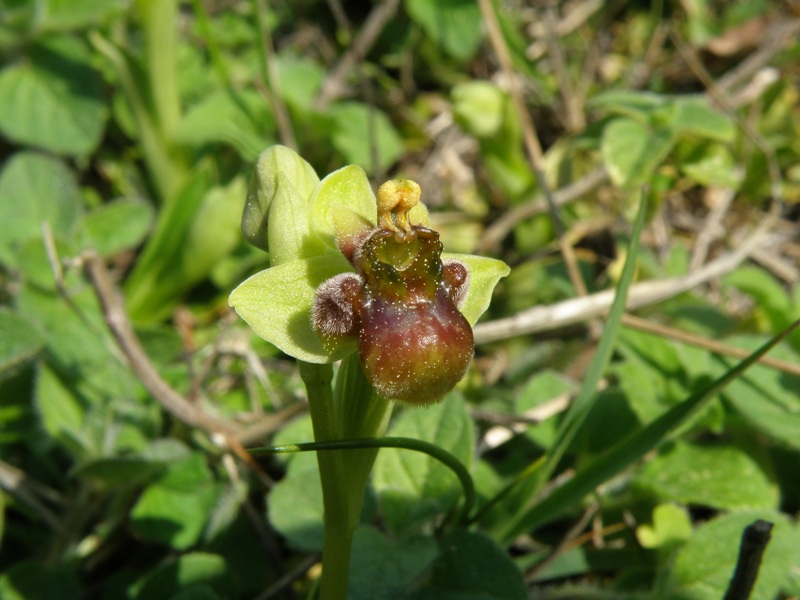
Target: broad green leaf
(34,189)
(265,185)
(636,105)
(715,166)
(72,14)
(237,118)
(19,340)
(453,24)
(355,126)
(721,477)
(386,568)
(53,99)
(347,189)
(770,295)
(583,561)
(471,566)
(413,487)
(301,79)
(632,151)
(117,226)
(193,569)
(766,398)
(484,274)
(61,413)
(174,509)
(671,527)
(89,375)
(479,107)
(695,116)
(121,471)
(295,504)
(29,580)
(277,303)
(704,566)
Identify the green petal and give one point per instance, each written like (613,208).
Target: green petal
(277,303)
(297,183)
(484,275)
(346,188)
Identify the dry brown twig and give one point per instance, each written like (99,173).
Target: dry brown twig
(333,86)
(533,148)
(195,415)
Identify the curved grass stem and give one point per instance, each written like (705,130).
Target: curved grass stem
(443,456)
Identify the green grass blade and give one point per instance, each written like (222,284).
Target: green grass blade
(635,446)
(582,404)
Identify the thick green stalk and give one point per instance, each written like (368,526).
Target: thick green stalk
(159,22)
(354,411)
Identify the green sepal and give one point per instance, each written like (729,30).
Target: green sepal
(277,304)
(279,171)
(288,229)
(484,275)
(347,188)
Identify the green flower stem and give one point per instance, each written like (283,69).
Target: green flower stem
(353,408)
(443,456)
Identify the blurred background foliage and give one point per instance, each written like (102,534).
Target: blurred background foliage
(130,129)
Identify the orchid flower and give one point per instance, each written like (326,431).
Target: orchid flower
(354,273)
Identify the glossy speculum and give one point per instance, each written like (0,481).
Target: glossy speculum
(401,305)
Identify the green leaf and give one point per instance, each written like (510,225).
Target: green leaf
(120,472)
(636,105)
(695,116)
(19,340)
(237,118)
(187,571)
(722,477)
(61,412)
(277,303)
(29,580)
(413,487)
(343,190)
(73,14)
(453,24)
(174,509)
(472,566)
(633,151)
(704,566)
(479,107)
(355,126)
(484,273)
(715,166)
(767,398)
(295,504)
(301,79)
(117,226)
(386,568)
(54,99)
(297,182)
(34,189)
(671,528)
